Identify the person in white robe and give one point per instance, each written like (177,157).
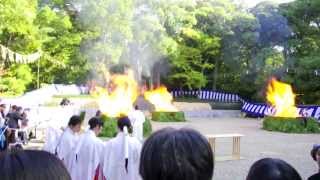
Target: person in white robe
(86,160)
(52,137)
(66,144)
(121,155)
(137,119)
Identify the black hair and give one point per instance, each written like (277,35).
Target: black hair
(74,120)
(98,113)
(136,107)
(31,165)
(314,152)
(3,105)
(272,169)
(19,108)
(94,122)
(14,107)
(124,121)
(171,154)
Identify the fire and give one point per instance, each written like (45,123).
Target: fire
(118,99)
(281,96)
(161,99)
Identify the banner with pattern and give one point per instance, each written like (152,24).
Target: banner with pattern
(251,109)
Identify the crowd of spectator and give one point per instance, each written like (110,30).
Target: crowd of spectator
(168,154)
(13,126)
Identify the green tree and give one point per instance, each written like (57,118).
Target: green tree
(304,45)
(16,80)
(61,39)
(193,58)
(18,33)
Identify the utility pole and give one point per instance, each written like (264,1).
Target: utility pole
(38,74)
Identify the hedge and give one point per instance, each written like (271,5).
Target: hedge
(110,127)
(291,125)
(168,116)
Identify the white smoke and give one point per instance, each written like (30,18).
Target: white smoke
(129,33)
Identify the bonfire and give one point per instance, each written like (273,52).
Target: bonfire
(280,95)
(122,92)
(161,99)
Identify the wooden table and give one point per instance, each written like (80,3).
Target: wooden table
(235,145)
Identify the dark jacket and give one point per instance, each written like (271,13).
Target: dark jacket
(13,119)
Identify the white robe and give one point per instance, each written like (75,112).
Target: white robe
(51,140)
(66,147)
(113,160)
(137,119)
(87,157)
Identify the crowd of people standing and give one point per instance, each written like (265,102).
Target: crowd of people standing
(168,154)
(13,126)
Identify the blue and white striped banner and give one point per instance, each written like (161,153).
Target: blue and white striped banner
(252,109)
(208,95)
(261,110)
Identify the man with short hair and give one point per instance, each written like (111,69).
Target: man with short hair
(86,159)
(121,155)
(14,116)
(67,142)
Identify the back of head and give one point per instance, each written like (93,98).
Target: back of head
(19,109)
(124,121)
(74,120)
(13,108)
(98,113)
(94,122)
(315,151)
(272,169)
(31,165)
(171,154)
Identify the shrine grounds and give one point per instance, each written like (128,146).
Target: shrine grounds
(256,144)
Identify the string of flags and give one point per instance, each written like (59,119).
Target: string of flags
(7,54)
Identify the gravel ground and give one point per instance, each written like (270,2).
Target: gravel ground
(256,144)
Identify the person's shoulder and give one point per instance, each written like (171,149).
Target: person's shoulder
(99,142)
(68,136)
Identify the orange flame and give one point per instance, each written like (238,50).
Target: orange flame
(161,99)
(281,96)
(118,100)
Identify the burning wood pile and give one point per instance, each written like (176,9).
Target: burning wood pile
(282,98)
(286,117)
(122,92)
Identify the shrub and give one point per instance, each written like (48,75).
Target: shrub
(147,128)
(110,127)
(291,125)
(168,116)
